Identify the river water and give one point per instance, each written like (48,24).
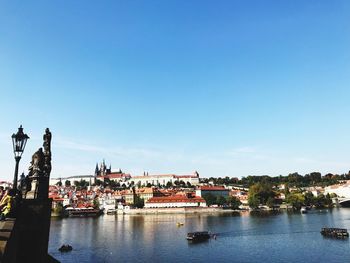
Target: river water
(241,237)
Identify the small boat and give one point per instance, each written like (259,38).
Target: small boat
(109,206)
(179,224)
(65,248)
(81,212)
(198,236)
(303,210)
(335,232)
(111,211)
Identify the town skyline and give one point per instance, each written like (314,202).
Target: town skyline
(227,89)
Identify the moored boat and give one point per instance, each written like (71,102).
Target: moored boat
(335,232)
(198,236)
(109,206)
(303,210)
(110,211)
(70,211)
(65,248)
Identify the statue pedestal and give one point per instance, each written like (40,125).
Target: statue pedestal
(39,188)
(33,226)
(32,194)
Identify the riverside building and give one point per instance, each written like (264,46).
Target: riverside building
(214,190)
(164,179)
(175,201)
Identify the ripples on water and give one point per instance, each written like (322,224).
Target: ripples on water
(241,237)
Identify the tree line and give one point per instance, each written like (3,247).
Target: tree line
(292,179)
(263,193)
(229,201)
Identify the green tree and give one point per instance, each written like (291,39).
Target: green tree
(113,184)
(220,200)
(210,199)
(323,201)
(309,199)
(295,179)
(59,183)
(99,182)
(253,201)
(106,182)
(270,202)
(233,202)
(262,191)
(296,200)
(139,202)
(84,184)
(182,183)
(286,190)
(328,201)
(67,183)
(96,203)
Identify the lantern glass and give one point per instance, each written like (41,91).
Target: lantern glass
(19,141)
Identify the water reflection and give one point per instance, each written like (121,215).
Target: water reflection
(244,237)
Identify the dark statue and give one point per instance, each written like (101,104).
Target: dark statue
(47,140)
(47,152)
(37,181)
(37,164)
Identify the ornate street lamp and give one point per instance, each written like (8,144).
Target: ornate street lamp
(19,141)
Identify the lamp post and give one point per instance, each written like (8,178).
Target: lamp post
(19,141)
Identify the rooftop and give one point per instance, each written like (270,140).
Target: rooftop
(176,199)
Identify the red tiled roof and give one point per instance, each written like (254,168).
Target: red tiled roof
(186,176)
(213,188)
(115,176)
(164,175)
(152,175)
(176,199)
(146,190)
(58,199)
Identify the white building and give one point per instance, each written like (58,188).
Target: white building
(341,190)
(87,178)
(175,201)
(163,179)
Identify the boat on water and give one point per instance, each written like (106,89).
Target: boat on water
(109,206)
(65,248)
(110,211)
(198,236)
(303,210)
(82,212)
(179,224)
(335,232)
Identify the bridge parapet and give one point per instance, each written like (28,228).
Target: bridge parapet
(7,241)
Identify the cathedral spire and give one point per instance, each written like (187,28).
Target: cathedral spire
(96,170)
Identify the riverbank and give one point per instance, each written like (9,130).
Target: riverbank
(187,210)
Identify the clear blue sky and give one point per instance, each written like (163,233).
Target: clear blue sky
(228,88)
